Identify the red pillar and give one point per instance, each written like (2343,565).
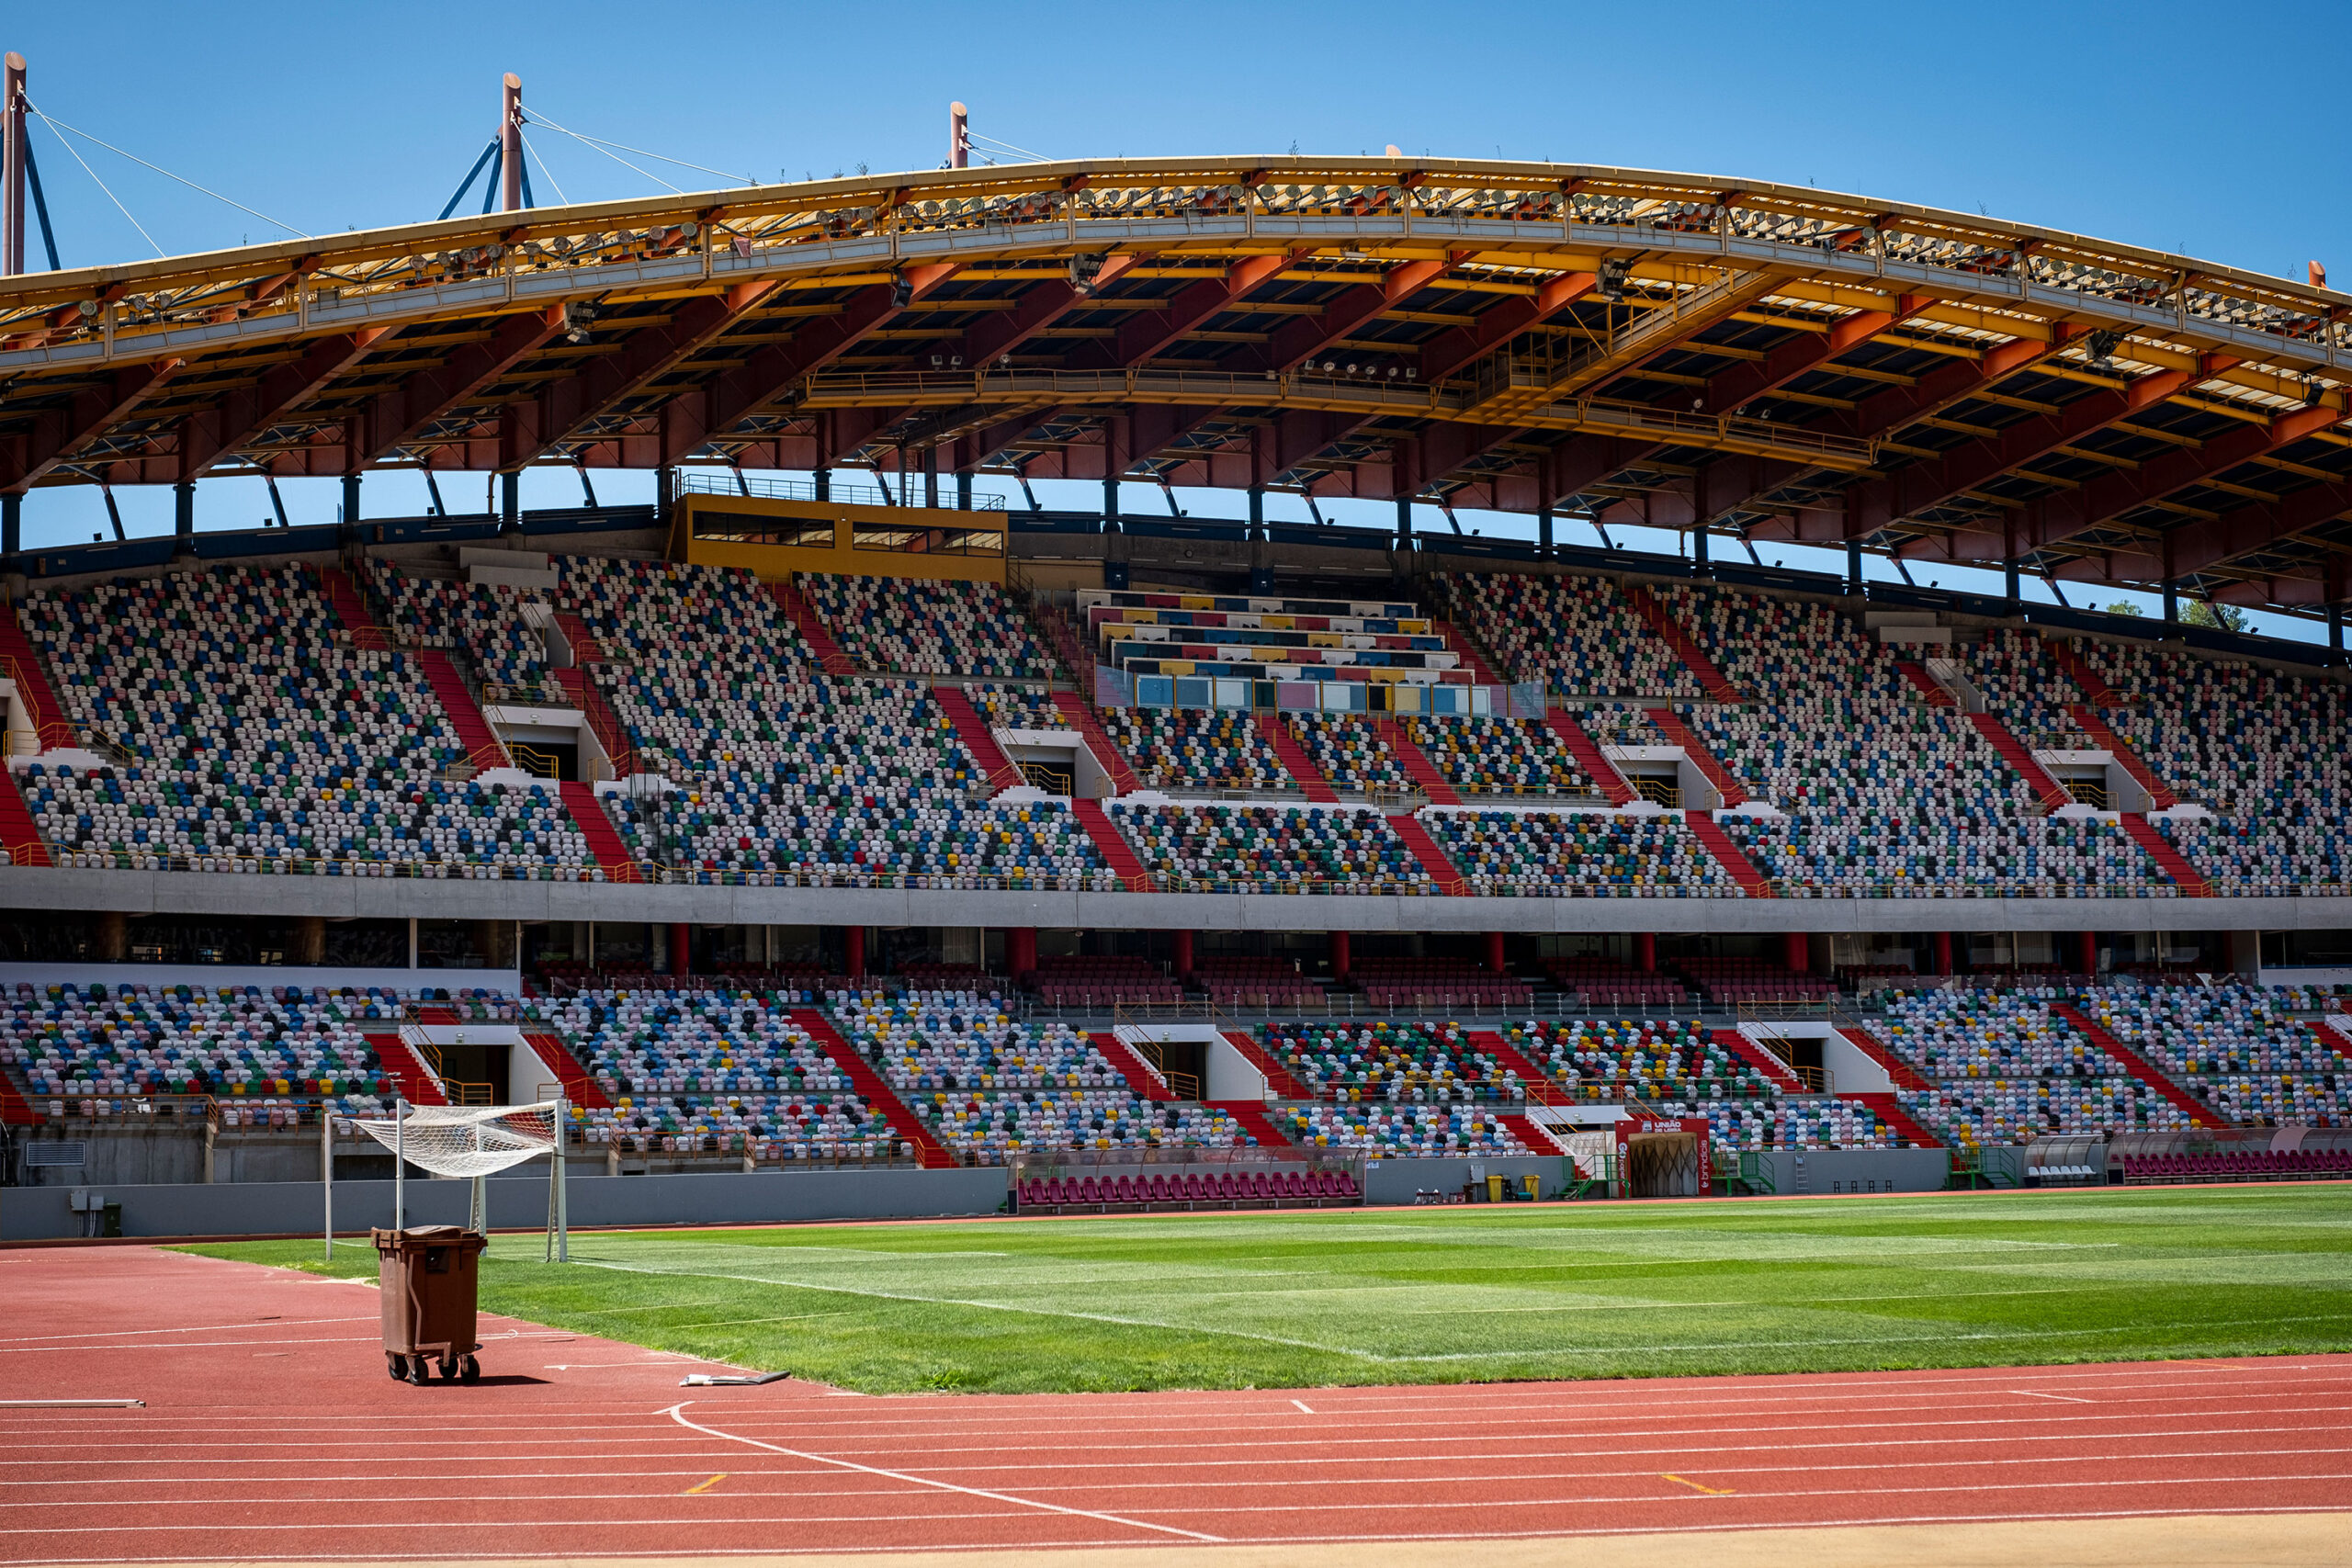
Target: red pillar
(1339,955)
(681,948)
(1184,954)
(1494,952)
(1943,952)
(1645,952)
(1796,951)
(2086,953)
(854,940)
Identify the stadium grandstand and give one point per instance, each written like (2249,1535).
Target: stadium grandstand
(845,808)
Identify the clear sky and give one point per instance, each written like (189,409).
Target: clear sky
(2220,132)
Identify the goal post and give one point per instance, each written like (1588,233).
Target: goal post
(465,1142)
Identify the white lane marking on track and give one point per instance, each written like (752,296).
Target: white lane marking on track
(203,1328)
(2037,1393)
(678,1412)
(1302,1404)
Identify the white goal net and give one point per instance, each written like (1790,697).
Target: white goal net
(467,1140)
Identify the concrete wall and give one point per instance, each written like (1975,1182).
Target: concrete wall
(1396,1180)
(284,1207)
(1816,1172)
(151,892)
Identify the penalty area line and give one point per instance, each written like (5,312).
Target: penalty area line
(678,1412)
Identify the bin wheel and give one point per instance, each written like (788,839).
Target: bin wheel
(418,1371)
(449,1369)
(396,1367)
(469,1369)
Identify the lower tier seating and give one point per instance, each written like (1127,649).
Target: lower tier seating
(1663,1059)
(1400,1132)
(1271,848)
(1190,1188)
(1578,853)
(992,1127)
(1404,1062)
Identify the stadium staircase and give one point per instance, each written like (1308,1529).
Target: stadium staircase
(1473,659)
(2336,1032)
(973,731)
(803,616)
(1684,647)
(1589,756)
(1533,1078)
(25,667)
(585,649)
(1254,1120)
(1537,1141)
(1677,733)
(1081,715)
(344,598)
(578,1086)
(1295,762)
(17,830)
(603,838)
(416,1081)
(2145,834)
(2132,762)
(1416,762)
(2046,789)
(1763,1061)
(1132,1068)
(1279,1082)
(2147,1072)
(602,720)
(930,1152)
(1890,1111)
(2078,670)
(1408,827)
(1710,832)
(1902,1073)
(1932,691)
(1117,852)
(14,1111)
(483,749)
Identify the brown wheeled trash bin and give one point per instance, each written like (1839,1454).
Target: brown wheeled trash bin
(428,1274)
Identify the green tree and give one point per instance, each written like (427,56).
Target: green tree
(2223,617)
(2123,607)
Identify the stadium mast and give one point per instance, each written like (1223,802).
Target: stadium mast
(14,150)
(510,142)
(959,135)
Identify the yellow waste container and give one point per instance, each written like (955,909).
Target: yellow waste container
(1494,1189)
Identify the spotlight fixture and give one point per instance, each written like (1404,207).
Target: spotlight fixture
(1085,268)
(902,293)
(2101,345)
(1411,371)
(1611,284)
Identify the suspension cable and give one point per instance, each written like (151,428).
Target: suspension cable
(61,125)
(95,180)
(600,143)
(535,152)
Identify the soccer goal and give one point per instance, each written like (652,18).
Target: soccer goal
(466,1141)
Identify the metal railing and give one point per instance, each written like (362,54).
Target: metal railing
(690,483)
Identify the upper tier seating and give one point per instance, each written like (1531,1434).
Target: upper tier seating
(1409,1061)
(2022,682)
(919,626)
(1196,749)
(713,1072)
(486,620)
(680,616)
(1239,980)
(1577,634)
(1288,639)
(1349,752)
(1525,855)
(1270,848)
(288,1042)
(1500,756)
(1016,708)
(1105,981)
(1620,1059)
(1401,1132)
(257,742)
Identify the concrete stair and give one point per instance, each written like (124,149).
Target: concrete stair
(1685,646)
(1763,1061)
(1254,1121)
(1416,762)
(1417,838)
(1589,756)
(1534,1079)
(930,1152)
(1677,733)
(1080,716)
(1536,1139)
(1903,1073)
(578,1086)
(2148,837)
(803,616)
(15,1110)
(416,1082)
(344,598)
(483,749)
(972,730)
(1132,1068)
(1729,855)
(2131,760)
(2045,789)
(1932,691)
(2078,670)
(585,649)
(1295,762)
(2147,1072)
(1279,1081)
(1117,852)
(19,832)
(602,720)
(603,838)
(1473,658)
(1890,1111)
(24,665)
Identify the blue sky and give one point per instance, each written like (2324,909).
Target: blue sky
(2158,124)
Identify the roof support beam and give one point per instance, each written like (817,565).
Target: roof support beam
(1149,332)
(59,434)
(399,414)
(247,413)
(733,395)
(529,431)
(1038,308)
(1496,325)
(1302,336)
(2197,545)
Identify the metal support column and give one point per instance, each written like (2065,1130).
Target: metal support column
(2010,575)
(2172,602)
(1403,521)
(1699,551)
(183,510)
(510,502)
(964,489)
(824,482)
(1544,529)
(1854,568)
(930,477)
(351,501)
(1257,511)
(12,526)
(1111,504)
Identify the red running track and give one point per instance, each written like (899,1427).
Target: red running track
(270,1431)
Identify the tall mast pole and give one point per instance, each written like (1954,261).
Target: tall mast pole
(15,150)
(959,137)
(510,142)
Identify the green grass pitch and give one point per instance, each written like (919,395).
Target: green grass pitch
(1302,1299)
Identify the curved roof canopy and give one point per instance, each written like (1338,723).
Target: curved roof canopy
(1639,348)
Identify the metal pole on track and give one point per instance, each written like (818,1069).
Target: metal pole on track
(400,1162)
(326,1175)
